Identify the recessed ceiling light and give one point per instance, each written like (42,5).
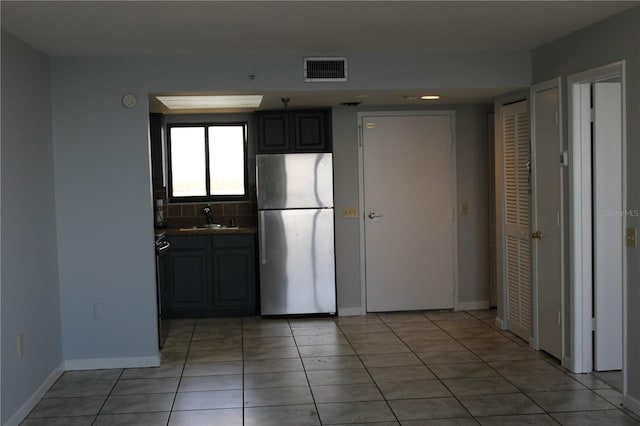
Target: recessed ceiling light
(218,101)
(430,97)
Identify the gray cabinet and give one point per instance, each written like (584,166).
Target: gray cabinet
(234,277)
(294,131)
(211,275)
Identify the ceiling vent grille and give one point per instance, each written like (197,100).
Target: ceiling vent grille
(325,69)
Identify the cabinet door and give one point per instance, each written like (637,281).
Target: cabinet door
(234,280)
(162,281)
(189,277)
(273,132)
(310,132)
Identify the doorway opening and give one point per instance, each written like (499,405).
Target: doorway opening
(597,141)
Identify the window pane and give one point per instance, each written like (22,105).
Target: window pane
(187,162)
(226,160)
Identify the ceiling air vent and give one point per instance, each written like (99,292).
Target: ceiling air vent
(325,69)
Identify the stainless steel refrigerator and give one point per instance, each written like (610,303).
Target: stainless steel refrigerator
(296,238)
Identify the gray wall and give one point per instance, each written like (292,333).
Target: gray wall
(103,188)
(605,42)
(472,180)
(30,290)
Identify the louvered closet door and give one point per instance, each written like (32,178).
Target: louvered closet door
(515,132)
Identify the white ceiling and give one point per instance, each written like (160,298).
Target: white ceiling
(72,28)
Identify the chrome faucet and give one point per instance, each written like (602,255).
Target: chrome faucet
(209,214)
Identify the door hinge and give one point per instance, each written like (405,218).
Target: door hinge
(359,134)
(559,318)
(592,115)
(593,324)
(557,117)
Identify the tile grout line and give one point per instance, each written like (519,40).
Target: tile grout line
(516,339)
(496,371)
(108,396)
(432,372)
(304,369)
(367,368)
(184,365)
(242,371)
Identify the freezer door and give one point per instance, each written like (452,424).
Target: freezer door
(288,181)
(297,265)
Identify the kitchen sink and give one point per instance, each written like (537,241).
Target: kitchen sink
(208,226)
(211,226)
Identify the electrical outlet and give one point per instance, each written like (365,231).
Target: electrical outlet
(350,212)
(20,345)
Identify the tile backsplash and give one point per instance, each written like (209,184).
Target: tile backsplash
(178,215)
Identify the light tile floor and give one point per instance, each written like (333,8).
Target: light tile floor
(410,369)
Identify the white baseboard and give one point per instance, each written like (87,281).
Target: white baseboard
(632,404)
(105,363)
(349,311)
(30,403)
(473,306)
(500,324)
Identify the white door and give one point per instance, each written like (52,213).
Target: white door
(517,244)
(547,207)
(607,225)
(409,204)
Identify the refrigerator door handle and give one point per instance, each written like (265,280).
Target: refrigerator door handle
(263,254)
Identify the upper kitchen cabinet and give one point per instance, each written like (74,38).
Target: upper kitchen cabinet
(294,131)
(273,132)
(310,133)
(156,122)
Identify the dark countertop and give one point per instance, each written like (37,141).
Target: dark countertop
(203,231)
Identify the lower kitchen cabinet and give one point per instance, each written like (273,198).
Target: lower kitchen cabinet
(189,276)
(211,275)
(234,274)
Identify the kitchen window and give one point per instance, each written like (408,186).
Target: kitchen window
(207,162)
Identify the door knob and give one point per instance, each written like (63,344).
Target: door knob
(373,215)
(536,235)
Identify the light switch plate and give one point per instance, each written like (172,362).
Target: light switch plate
(350,212)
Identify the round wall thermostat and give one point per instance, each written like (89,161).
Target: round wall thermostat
(129,100)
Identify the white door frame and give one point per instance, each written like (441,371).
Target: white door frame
(361,216)
(580,215)
(540,87)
